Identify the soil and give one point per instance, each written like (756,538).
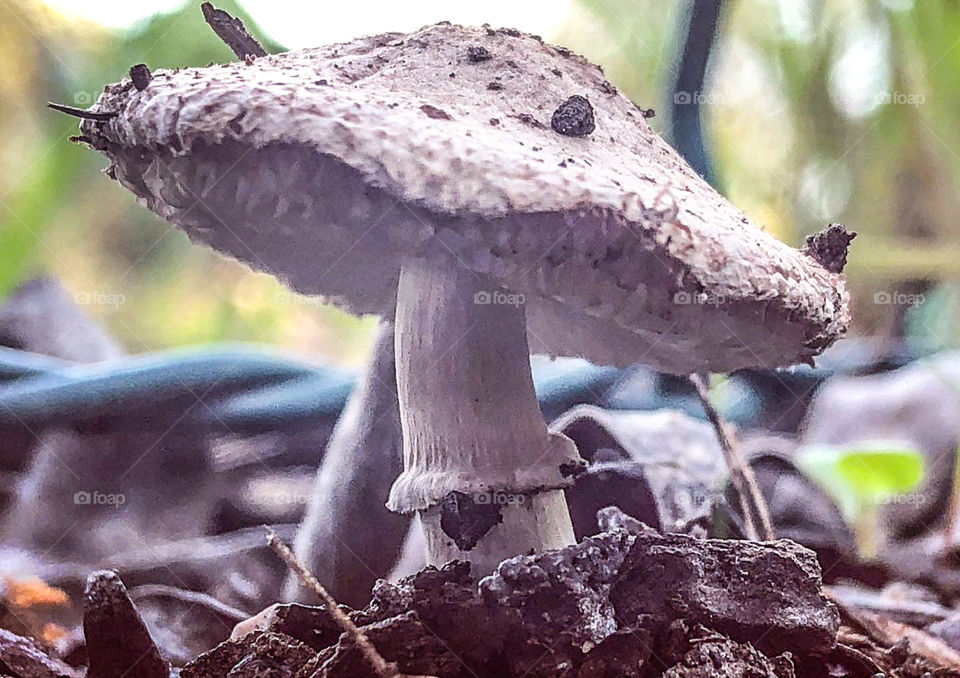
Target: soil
(620,604)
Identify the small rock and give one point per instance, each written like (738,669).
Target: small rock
(256,655)
(23,658)
(310,625)
(118,643)
(435,113)
(765,593)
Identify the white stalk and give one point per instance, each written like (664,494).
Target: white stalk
(471,423)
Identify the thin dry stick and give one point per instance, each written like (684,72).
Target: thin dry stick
(744,482)
(952,531)
(232,32)
(383,668)
(99,116)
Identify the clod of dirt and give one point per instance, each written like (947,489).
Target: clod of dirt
(254,656)
(574,117)
(557,600)
(274,655)
(310,625)
(436,113)
(765,593)
(612,605)
(723,658)
(219,660)
(829,247)
(404,640)
(466,519)
(528,119)
(623,654)
(477,53)
(118,643)
(447,603)
(23,658)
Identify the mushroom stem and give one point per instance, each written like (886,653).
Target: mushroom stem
(479,463)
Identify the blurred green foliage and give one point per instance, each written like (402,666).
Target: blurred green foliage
(822,111)
(59,214)
(816,111)
(862,478)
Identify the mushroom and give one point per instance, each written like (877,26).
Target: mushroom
(385,175)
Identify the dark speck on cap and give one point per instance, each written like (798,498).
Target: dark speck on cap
(829,247)
(574,117)
(477,53)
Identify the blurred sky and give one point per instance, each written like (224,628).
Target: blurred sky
(307,23)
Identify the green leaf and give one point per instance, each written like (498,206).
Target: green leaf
(863,475)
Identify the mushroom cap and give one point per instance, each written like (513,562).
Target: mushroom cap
(328,167)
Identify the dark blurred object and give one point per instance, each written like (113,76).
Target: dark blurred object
(562,383)
(40,319)
(781,397)
(142,392)
(251,581)
(661,467)
(699,31)
(904,603)
(348,539)
(16,364)
(40,316)
(134,466)
(665,469)
(799,509)
(184,623)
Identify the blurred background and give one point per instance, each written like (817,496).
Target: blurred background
(814,111)
(165,466)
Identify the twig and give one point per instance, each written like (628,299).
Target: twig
(744,481)
(951,533)
(383,668)
(232,32)
(83,113)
